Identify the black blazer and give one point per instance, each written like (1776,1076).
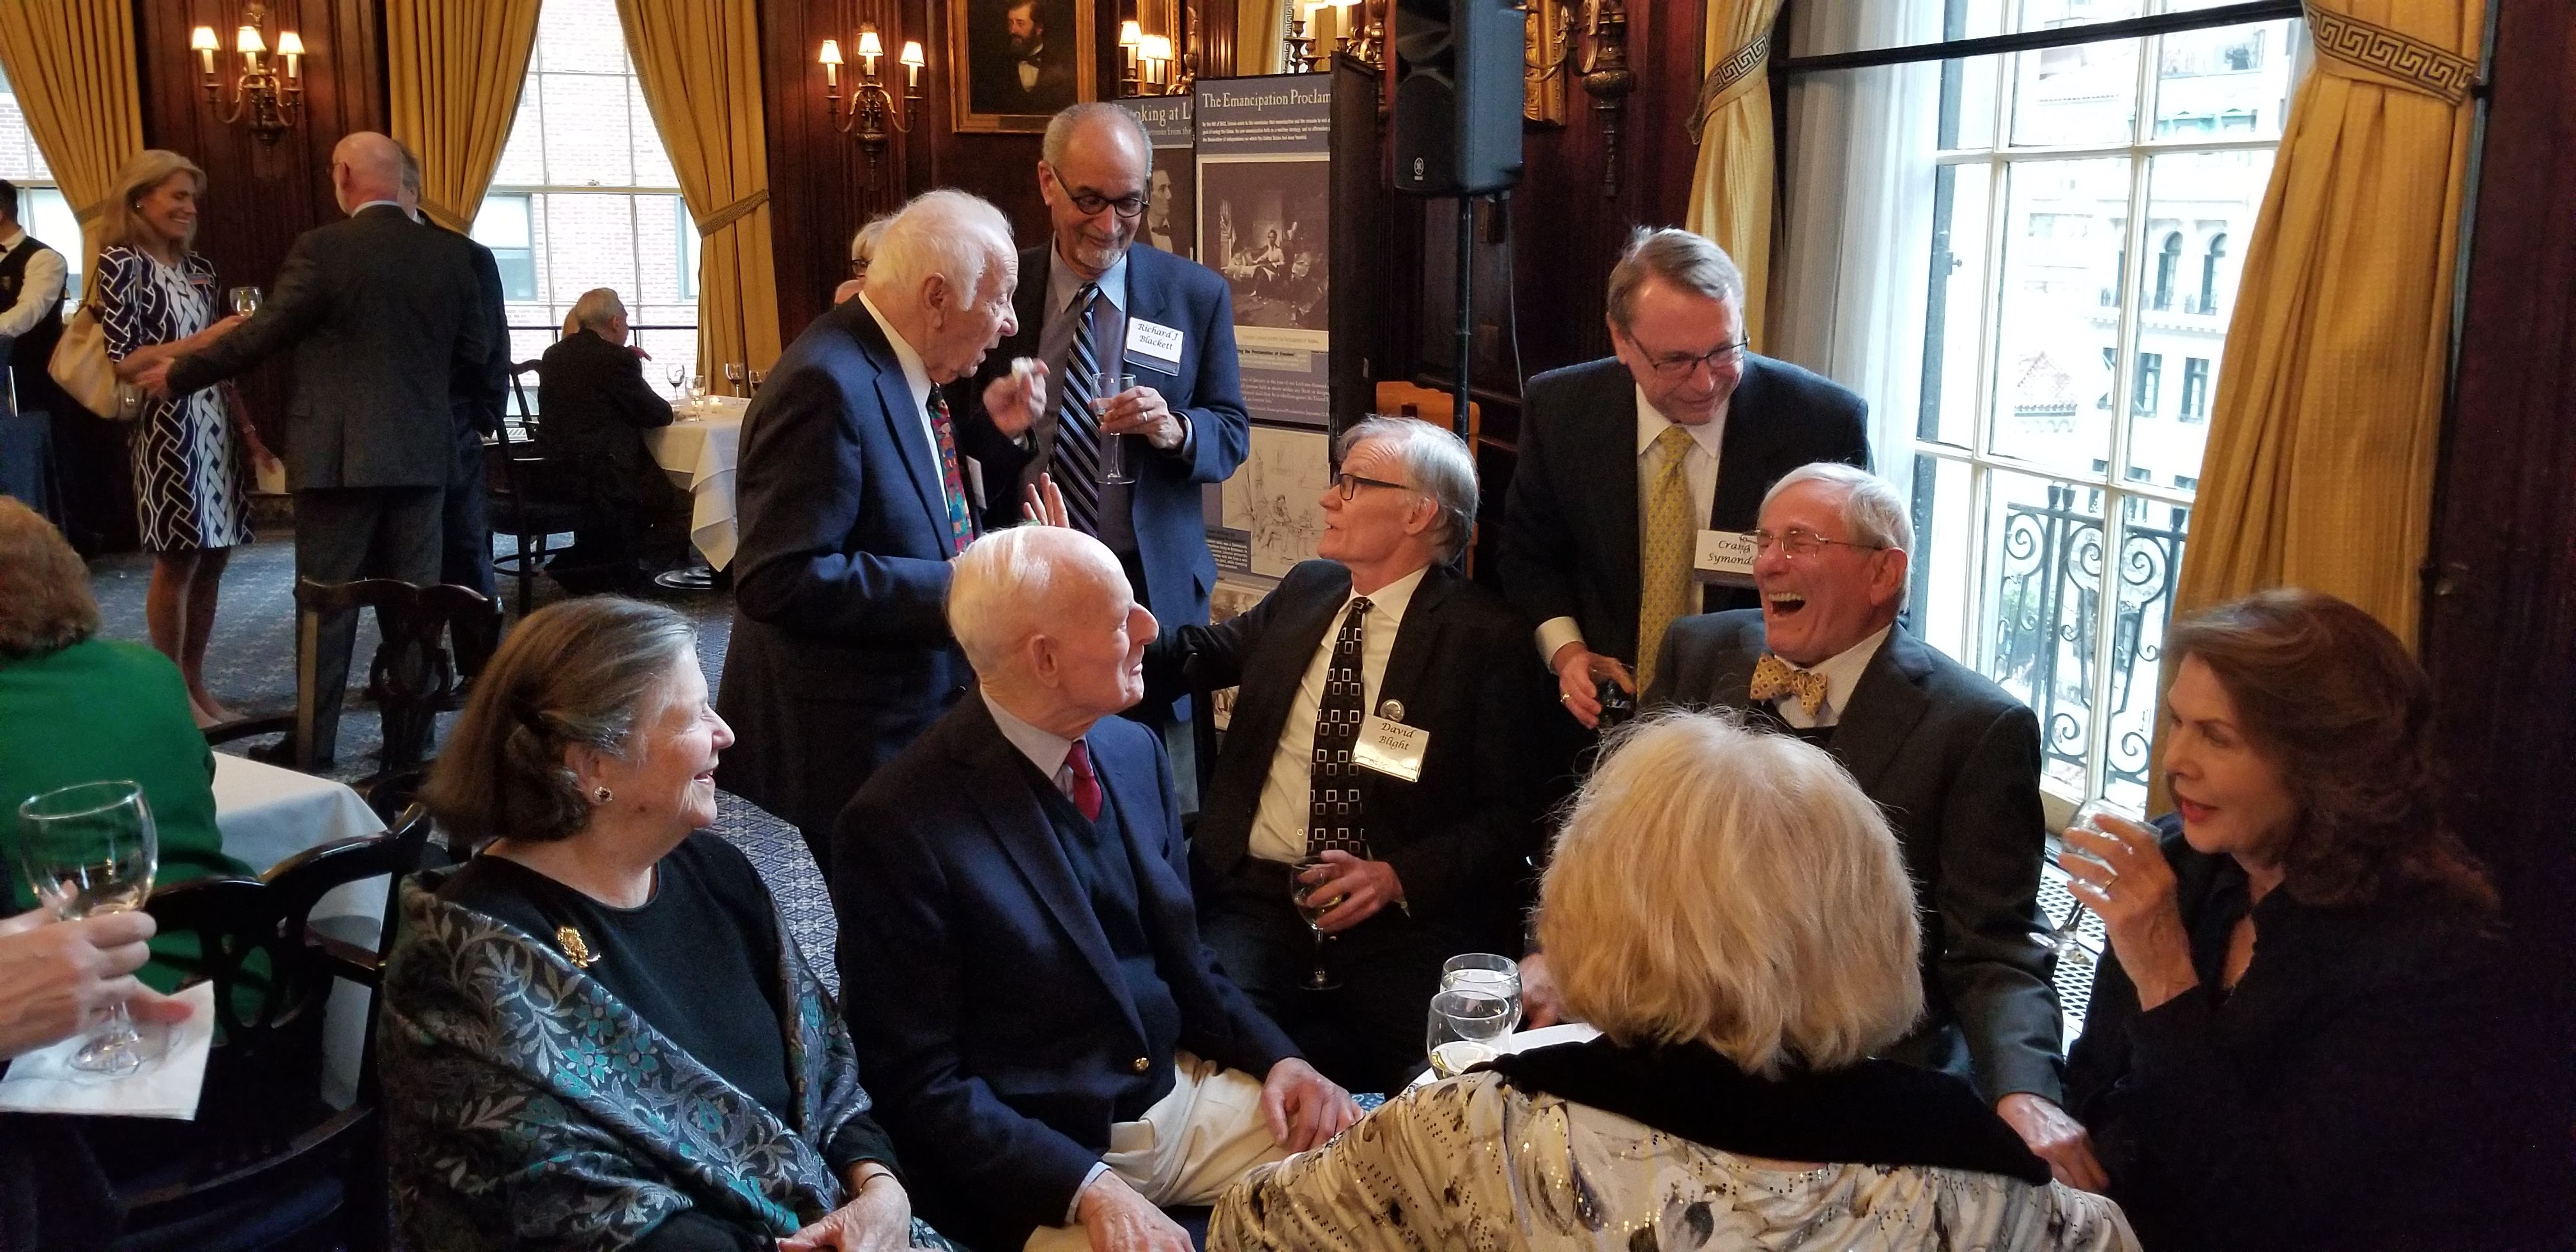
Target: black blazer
(383,318)
(479,389)
(2370,1083)
(1459,839)
(840,652)
(1954,762)
(1570,521)
(594,400)
(990,1013)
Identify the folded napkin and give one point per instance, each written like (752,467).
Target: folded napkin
(44,1081)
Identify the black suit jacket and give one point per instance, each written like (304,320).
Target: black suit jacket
(1954,762)
(1459,838)
(383,318)
(840,652)
(478,392)
(595,403)
(1570,521)
(989,1010)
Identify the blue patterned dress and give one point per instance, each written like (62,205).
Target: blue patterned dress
(189,487)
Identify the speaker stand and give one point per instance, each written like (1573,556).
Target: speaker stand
(1466,315)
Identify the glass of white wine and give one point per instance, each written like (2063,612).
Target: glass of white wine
(1311,910)
(245,300)
(1466,1024)
(92,849)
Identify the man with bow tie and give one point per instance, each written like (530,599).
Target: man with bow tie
(1952,759)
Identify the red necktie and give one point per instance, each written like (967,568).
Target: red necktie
(1086,784)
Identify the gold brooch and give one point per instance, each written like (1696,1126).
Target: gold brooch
(574,949)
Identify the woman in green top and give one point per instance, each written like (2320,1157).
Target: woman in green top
(76,709)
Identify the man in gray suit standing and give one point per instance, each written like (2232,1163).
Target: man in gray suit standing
(382,316)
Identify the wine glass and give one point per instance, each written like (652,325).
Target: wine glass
(758,377)
(1107,386)
(1489,972)
(1466,1022)
(698,385)
(1312,911)
(245,300)
(733,377)
(91,849)
(679,376)
(2065,939)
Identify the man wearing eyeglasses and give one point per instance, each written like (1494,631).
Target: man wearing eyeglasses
(1952,758)
(1627,464)
(1092,299)
(1376,743)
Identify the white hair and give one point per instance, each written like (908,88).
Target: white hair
(1872,511)
(598,308)
(1010,585)
(956,235)
(863,244)
(1441,466)
(1060,129)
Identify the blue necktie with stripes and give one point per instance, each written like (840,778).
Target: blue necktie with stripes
(1076,464)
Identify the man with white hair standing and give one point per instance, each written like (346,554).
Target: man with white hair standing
(1951,758)
(1054,1051)
(851,503)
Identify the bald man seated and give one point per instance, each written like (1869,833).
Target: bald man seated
(1054,1051)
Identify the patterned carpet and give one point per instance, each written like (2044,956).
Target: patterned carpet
(250,666)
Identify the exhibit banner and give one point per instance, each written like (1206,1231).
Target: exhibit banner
(1172,190)
(1265,223)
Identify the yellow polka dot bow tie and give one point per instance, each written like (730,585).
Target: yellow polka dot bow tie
(1774,678)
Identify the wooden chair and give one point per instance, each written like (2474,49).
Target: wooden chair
(1408,400)
(526,503)
(267,1163)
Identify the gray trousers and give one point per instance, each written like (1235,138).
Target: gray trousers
(347,533)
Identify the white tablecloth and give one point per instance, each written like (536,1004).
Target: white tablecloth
(699,449)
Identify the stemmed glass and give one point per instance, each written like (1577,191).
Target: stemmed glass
(698,385)
(90,849)
(2065,939)
(1312,910)
(757,378)
(679,376)
(733,377)
(1466,1022)
(1105,387)
(1490,974)
(245,300)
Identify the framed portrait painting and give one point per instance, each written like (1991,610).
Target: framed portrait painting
(1013,63)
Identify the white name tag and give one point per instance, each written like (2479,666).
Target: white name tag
(1153,345)
(1725,556)
(1391,748)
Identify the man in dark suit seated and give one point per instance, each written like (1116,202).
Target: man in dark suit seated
(851,500)
(1951,758)
(385,322)
(594,406)
(1625,462)
(1051,1046)
(1425,855)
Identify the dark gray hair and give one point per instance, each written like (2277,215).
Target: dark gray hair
(1441,466)
(1674,256)
(1061,127)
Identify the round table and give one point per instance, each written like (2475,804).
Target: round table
(699,449)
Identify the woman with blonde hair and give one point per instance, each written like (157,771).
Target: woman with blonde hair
(1734,915)
(157,298)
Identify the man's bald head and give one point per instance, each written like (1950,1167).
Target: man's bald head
(366,166)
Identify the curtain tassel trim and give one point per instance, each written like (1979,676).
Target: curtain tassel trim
(2406,61)
(1732,75)
(732,213)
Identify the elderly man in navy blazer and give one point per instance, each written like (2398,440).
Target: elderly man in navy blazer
(1053,1049)
(1093,296)
(852,501)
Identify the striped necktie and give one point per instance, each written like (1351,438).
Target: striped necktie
(1076,464)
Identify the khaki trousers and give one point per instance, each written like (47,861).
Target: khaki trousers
(1187,1149)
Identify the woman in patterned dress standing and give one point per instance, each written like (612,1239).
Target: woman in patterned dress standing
(156,298)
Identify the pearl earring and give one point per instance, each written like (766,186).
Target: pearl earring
(603,795)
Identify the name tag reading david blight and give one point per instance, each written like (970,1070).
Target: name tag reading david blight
(1391,748)
(1725,556)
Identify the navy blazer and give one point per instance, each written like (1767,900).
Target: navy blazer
(840,652)
(1171,528)
(990,1015)
(1570,520)
(1953,760)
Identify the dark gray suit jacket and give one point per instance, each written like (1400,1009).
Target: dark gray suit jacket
(1954,761)
(1570,521)
(384,320)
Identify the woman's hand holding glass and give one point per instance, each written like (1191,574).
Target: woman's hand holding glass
(2116,867)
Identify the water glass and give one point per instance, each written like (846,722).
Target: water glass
(88,849)
(245,300)
(1488,972)
(1311,910)
(698,385)
(2065,938)
(1466,1023)
(1107,386)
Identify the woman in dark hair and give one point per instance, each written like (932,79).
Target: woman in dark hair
(597,1032)
(2295,1042)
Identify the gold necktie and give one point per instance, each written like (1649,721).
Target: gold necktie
(1774,678)
(1671,533)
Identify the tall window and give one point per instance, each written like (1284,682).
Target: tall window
(41,207)
(585,197)
(2049,550)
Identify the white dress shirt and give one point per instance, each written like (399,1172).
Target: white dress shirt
(1699,465)
(1047,750)
(1842,673)
(917,377)
(40,293)
(1279,825)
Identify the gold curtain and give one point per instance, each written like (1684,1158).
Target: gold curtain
(456,72)
(1730,199)
(1258,27)
(72,64)
(700,65)
(2323,437)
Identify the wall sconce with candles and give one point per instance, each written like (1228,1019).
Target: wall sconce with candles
(1146,66)
(260,95)
(871,104)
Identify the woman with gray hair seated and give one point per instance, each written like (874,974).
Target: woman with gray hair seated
(597,1032)
(1734,915)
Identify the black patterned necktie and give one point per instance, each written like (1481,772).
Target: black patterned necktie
(1334,820)
(1076,464)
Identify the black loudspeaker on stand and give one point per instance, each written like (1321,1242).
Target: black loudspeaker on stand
(1457,129)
